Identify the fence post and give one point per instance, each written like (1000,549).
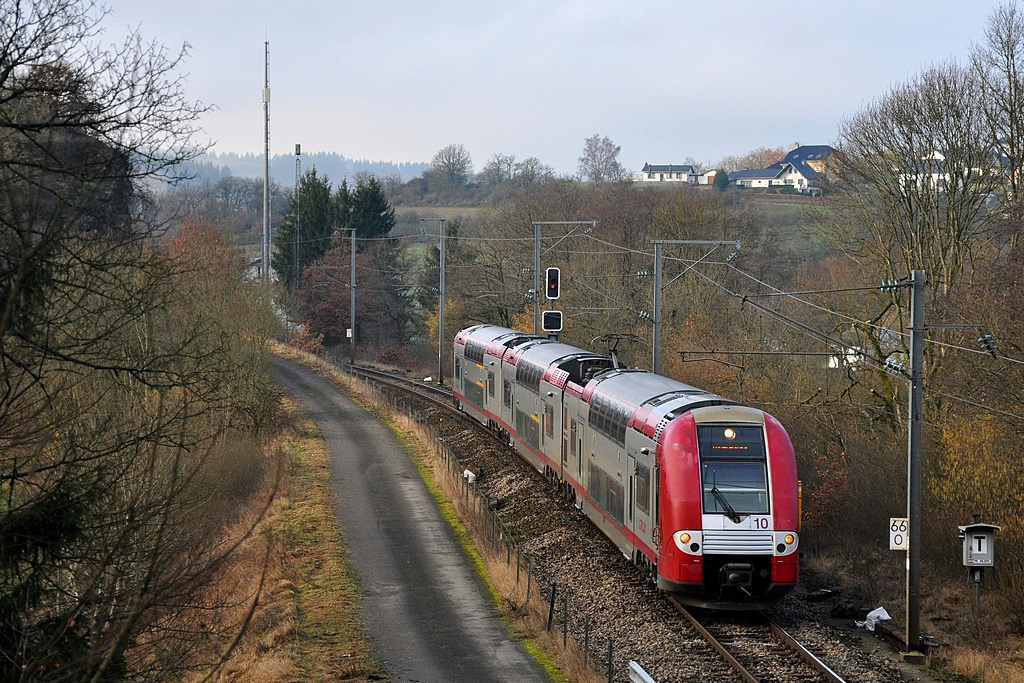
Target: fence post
(551,607)
(565,619)
(529,577)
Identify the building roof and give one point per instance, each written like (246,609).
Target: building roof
(757,173)
(668,168)
(809,153)
(799,166)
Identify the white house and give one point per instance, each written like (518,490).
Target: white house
(780,174)
(675,173)
(799,170)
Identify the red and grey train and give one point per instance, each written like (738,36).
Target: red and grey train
(699,491)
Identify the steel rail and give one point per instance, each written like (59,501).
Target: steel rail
(707,635)
(807,655)
(791,643)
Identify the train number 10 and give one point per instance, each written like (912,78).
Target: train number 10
(761,523)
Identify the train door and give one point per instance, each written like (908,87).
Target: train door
(643,525)
(489,398)
(565,439)
(631,496)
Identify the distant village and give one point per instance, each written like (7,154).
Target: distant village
(798,172)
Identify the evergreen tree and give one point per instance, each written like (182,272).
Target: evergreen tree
(721,181)
(371,213)
(319,217)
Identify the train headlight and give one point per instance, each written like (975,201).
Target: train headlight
(729,433)
(786,542)
(688,541)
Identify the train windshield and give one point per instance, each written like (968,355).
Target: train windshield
(734,473)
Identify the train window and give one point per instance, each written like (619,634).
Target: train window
(458,370)
(490,384)
(506,392)
(643,487)
(735,488)
(606,492)
(572,437)
(734,472)
(609,417)
(731,442)
(595,479)
(549,421)
(475,350)
(529,374)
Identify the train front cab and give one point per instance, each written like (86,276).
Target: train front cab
(728,509)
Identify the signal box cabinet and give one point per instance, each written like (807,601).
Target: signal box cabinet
(979,544)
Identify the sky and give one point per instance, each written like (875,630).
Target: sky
(665,80)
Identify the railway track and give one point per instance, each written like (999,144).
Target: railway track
(756,648)
(436,394)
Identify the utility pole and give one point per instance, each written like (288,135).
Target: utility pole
(656,360)
(352,298)
(298,209)
(917,328)
(440,314)
(265,258)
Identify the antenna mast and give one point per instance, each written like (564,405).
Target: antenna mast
(266,162)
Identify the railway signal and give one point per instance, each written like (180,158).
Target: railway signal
(551,321)
(553,277)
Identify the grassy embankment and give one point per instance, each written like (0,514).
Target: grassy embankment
(305,626)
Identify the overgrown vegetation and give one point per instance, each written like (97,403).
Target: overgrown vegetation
(132,405)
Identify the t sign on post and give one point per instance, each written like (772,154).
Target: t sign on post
(898,533)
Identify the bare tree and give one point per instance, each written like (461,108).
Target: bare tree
(760,157)
(498,169)
(600,160)
(698,166)
(998,62)
(453,165)
(532,170)
(908,192)
(912,178)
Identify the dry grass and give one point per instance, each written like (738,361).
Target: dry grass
(329,643)
(981,646)
(304,626)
